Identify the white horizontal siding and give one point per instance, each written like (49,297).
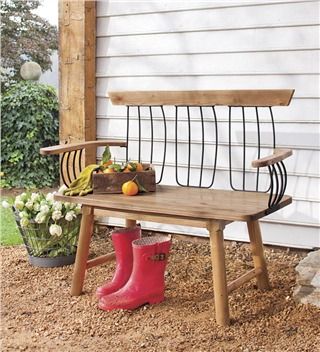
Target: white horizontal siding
(127,8)
(234,19)
(210,64)
(250,40)
(308,84)
(172,45)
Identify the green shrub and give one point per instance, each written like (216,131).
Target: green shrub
(29,121)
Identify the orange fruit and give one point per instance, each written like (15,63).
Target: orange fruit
(130,167)
(126,169)
(109,171)
(106,164)
(130,188)
(135,166)
(139,167)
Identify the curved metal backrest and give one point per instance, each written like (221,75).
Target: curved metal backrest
(71,165)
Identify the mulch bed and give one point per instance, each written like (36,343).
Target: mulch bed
(38,313)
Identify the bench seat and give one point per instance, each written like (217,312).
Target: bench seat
(186,202)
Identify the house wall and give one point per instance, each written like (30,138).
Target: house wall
(51,77)
(172,45)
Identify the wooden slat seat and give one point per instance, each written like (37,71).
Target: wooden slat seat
(186,202)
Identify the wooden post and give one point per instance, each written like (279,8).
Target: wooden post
(258,255)
(80,265)
(77,43)
(130,223)
(219,273)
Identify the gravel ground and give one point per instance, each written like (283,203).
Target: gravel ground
(38,313)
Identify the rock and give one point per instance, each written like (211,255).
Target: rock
(315,282)
(308,280)
(30,71)
(307,295)
(311,260)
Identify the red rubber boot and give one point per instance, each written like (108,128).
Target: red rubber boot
(146,283)
(122,242)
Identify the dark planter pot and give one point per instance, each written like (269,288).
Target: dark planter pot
(45,262)
(33,238)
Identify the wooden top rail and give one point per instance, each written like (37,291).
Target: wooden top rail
(265,97)
(57,149)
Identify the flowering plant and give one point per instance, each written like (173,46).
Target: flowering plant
(49,228)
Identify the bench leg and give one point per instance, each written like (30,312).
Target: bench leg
(130,223)
(219,274)
(80,265)
(258,255)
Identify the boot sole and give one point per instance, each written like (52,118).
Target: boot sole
(135,305)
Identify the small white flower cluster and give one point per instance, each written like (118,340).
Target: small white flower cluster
(43,209)
(55,230)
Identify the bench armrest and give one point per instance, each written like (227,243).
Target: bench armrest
(278,155)
(57,149)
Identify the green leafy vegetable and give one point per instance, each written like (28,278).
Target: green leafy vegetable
(106,156)
(115,167)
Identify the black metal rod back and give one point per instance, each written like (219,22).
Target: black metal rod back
(277,173)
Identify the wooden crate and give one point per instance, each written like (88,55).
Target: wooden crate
(112,183)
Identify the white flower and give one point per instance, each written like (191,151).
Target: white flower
(55,230)
(35,197)
(24,197)
(24,222)
(29,204)
(67,205)
(19,204)
(44,209)
(78,209)
(40,218)
(57,206)
(70,215)
(5,204)
(23,214)
(49,197)
(36,207)
(56,215)
(72,206)
(62,189)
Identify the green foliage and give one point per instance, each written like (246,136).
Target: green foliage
(25,36)
(9,233)
(29,121)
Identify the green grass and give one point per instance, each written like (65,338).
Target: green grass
(9,233)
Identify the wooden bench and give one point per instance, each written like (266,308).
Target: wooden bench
(194,202)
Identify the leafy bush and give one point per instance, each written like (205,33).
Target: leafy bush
(29,121)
